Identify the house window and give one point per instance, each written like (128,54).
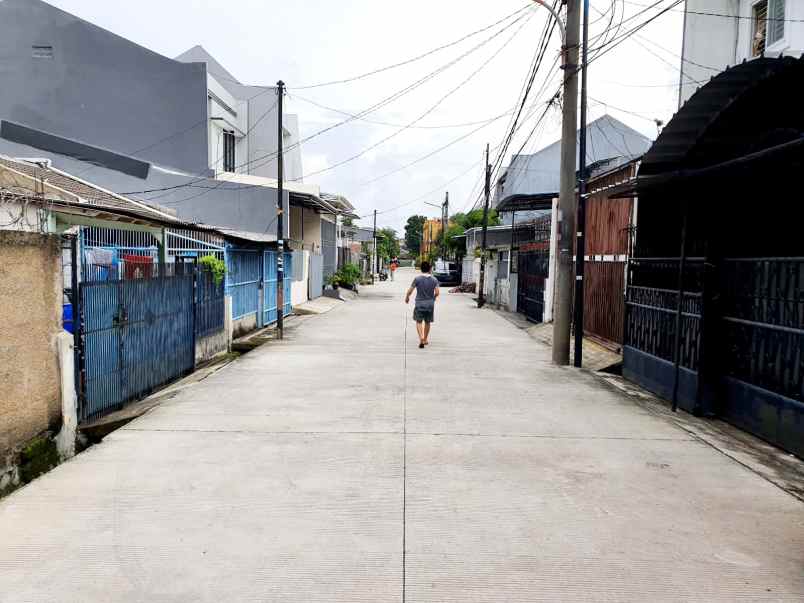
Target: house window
(42,52)
(228,151)
(775,21)
(767,25)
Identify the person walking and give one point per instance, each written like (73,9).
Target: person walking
(394,266)
(427,292)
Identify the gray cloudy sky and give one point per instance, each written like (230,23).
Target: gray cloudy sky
(306,42)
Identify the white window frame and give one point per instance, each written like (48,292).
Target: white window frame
(781,41)
(774,46)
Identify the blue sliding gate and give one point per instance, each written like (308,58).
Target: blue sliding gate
(136,335)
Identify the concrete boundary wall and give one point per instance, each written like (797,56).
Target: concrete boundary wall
(30,320)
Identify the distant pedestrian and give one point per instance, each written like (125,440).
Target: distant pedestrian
(394,266)
(427,291)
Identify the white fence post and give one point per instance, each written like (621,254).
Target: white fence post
(228,321)
(65,440)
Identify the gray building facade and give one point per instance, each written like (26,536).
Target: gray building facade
(107,110)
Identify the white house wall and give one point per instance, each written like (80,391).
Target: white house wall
(712,43)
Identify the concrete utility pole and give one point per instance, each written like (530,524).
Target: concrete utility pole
(580,247)
(280,230)
(566,199)
(444,224)
(376,263)
(481,298)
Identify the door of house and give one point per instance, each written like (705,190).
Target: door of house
(135,336)
(328,250)
(316,283)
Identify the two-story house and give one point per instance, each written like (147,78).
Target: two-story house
(182,133)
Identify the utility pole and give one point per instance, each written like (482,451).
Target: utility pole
(280,230)
(566,200)
(376,267)
(481,298)
(444,224)
(580,247)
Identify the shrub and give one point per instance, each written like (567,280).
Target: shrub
(214,265)
(349,274)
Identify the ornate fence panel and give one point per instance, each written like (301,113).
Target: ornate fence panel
(763,348)
(649,339)
(533,270)
(651,324)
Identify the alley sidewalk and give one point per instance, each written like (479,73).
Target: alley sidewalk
(344,464)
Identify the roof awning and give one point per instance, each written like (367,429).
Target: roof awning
(532,202)
(741,112)
(311,202)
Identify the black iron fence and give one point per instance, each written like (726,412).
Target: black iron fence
(763,323)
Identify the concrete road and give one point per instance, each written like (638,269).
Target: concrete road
(345,464)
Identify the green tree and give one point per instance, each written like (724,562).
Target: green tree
(475,218)
(413,234)
(456,247)
(387,243)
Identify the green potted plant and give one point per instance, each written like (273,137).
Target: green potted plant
(349,276)
(333,280)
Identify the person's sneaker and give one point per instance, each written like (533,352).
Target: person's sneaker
(421,345)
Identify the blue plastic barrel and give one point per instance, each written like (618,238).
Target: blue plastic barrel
(67,317)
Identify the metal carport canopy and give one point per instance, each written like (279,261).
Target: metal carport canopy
(527,202)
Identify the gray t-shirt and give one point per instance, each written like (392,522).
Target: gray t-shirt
(425,285)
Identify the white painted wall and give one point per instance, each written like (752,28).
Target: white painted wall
(25,217)
(717,42)
(298,289)
(550,283)
(312,231)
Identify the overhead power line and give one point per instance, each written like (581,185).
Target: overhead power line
(396,125)
(723,15)
(269,157)
(416,58)
(432,108)
(395,96)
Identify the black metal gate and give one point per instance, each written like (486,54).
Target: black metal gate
(533,266)
(135,336)
(750,368)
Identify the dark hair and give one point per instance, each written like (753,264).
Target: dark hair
(425,266)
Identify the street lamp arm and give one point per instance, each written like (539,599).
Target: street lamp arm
(557,17)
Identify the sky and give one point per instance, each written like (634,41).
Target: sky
(309,42)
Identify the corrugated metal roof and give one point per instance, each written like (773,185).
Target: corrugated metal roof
(89,193)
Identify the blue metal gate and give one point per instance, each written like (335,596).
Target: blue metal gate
(136,335)
(243,281)
(271,279)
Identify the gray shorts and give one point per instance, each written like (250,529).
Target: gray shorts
(423,315)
